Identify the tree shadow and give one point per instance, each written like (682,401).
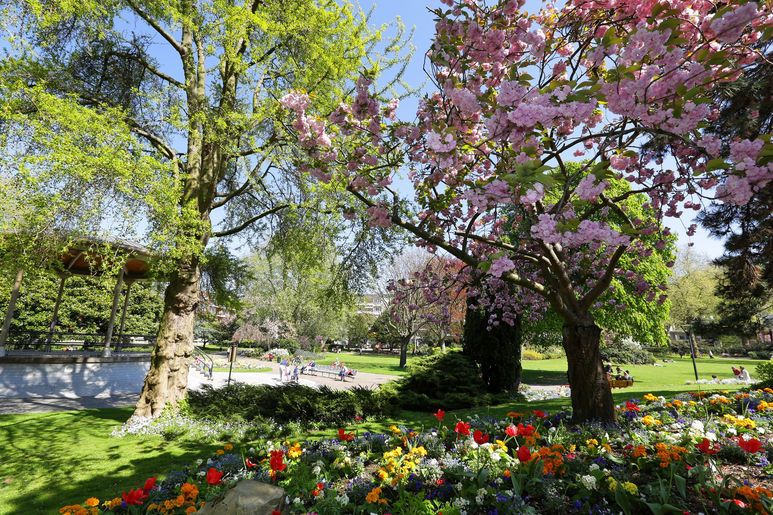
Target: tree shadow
(54,459)
(544,377)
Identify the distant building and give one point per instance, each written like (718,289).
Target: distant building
(370,304)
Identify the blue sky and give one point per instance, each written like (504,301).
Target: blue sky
(415,13)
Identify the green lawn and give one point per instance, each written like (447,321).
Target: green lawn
(52,459)
(371,363)
(665,380)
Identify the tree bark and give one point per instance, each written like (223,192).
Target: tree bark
(404,351)
(167,379)
(591,394)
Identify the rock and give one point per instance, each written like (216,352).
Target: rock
(248,497)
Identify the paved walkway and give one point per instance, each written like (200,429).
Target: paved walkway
(196,380)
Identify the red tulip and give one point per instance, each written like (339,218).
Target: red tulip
(134,497)
(751,445)
(525,430)
(440,415)
(149,484)
(344,436)
(511,430)
(631,406)
(214,476)
(706,447)
(250,464)
(462,428)
(539,413)
(277,461)
(524,454)
(479,437)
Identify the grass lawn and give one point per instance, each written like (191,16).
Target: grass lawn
(52,459)
(371,363)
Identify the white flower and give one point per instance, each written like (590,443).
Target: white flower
(593,467)
(761,430)
(297,500)
(712,436)
(731,431)
(199,462)
(588,482)
(342,499)
(495,456)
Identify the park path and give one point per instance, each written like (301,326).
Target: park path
(196,381)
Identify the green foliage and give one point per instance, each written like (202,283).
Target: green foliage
(447,380)
(626,351)
(692,290)
(765,372)
(358,328)
(86,303)
(287,403)
(496,350)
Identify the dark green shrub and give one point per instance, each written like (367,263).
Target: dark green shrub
(765,372)
(622,352)
(447,381)
(759,355)
(287,403)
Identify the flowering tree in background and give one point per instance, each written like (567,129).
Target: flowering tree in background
(518,98)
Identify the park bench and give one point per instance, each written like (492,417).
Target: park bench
(620,383)
(328,371)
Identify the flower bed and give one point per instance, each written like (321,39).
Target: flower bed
(701,452)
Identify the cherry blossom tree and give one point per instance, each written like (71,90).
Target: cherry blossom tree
(520,97)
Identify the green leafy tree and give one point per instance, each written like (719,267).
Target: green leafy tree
(179,98)
(358,328)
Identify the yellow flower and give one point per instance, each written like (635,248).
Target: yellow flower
(374,496)
(592,443)
(630,488)
(419,451)
(220,452)
(92,501)
(395,429)
(762,406)
(612,483)
(228,447)
(649,420)
(501,445)
(295,450)
(649,397)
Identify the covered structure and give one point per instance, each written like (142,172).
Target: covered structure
(89,257)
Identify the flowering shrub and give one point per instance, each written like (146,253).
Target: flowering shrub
(698,452)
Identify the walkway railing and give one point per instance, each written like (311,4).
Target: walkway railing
(44,341)
(202,362)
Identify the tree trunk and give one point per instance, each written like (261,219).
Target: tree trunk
(591,394)
(496,351)
(167,379)
(404,351)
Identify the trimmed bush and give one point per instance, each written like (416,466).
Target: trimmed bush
(448,381)
(627,351)
(288,403)
(531,354)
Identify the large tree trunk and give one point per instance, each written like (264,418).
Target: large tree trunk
(167,379)
(591,394)
(497,351)
(404,351)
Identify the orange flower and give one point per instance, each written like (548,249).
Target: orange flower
(639,451)
(190,509)
(189,491)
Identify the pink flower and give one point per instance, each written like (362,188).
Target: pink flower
(501,266)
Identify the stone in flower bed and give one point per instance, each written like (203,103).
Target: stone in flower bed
(694,453)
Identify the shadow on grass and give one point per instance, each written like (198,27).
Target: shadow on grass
(544,377)
(62,458)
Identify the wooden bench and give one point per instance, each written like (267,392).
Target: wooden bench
(328,371)
(620,383)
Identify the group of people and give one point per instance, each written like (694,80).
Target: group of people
(289,371)
(741,374)
(618,374)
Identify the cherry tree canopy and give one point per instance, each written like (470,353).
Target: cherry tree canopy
(519,97)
